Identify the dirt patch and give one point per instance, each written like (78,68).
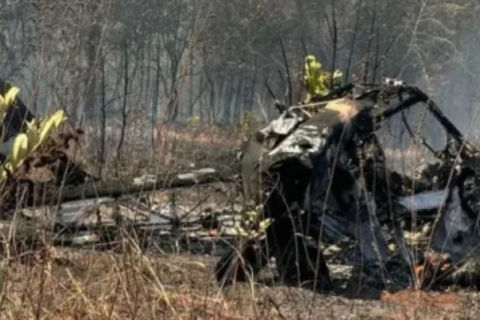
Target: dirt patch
(443,301)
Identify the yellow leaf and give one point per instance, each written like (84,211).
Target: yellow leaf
(3,175)
(11,95)
(337,74)
(48,125)
(3,107)
(19,151)
(265,224)
(33,134)
(7,101)
(252,215)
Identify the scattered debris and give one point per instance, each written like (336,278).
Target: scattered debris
(324,172)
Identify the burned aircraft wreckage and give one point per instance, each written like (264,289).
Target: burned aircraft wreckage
(323,176)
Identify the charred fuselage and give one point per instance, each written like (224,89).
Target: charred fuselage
(329,178)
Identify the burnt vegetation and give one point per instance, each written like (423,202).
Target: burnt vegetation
(239,159)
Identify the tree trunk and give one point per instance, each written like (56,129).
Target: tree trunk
(92,45)
(124,108)
(103,120)
(130,186)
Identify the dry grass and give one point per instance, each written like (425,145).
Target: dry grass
(59,283)
(68,284)
(174,147)
(127,284)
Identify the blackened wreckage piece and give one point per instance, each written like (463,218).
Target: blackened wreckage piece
(324,176)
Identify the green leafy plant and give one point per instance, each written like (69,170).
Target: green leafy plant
(315,80)
(252,226)
(25,143)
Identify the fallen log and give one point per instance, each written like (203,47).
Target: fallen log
(47,194)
